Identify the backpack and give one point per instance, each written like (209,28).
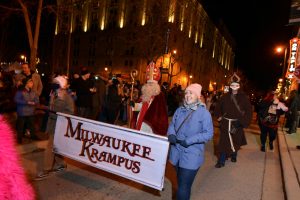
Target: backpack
(270,115)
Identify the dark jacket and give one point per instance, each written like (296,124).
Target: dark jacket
(84,95)
(226,108)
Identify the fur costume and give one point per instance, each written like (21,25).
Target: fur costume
(13,181)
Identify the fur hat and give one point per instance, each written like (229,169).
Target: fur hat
(61,81)
(195,88)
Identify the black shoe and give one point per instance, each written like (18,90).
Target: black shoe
(59,168)
(219,165)
(298,146)
(233,159)
(271,145)
(263,149)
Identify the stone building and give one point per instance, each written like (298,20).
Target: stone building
(122,35)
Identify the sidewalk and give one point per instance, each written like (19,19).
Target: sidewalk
(256,175)
(290,163)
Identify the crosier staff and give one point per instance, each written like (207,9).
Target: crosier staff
(133,75)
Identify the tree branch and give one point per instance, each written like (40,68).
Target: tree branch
(11,9)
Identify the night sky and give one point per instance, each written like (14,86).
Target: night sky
(258,26)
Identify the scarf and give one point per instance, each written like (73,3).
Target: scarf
(192,106)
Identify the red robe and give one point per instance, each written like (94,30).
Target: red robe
(156,116)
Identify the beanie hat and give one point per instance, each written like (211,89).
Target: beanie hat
(84,71)
(195,88)
(61,81)
(26,80)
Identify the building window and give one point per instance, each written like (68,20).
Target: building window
(94,21)
(132,51)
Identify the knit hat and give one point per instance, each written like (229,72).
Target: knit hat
(195,88)
(84,71)
(62,81)
(26,80)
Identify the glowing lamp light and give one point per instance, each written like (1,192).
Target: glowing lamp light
(279,49)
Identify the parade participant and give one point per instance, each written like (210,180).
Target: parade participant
(190,129)
(152,117)
(60,101)
(13,181)
(234,112)
(269,111)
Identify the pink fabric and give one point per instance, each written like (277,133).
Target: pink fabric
(13,181)
(195,88)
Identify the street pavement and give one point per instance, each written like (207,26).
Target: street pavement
(255,176)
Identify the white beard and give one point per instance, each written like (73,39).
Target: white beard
(149,90)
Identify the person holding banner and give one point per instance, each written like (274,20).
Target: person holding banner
(60,101)
(190,129)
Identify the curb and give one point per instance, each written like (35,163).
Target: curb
(290,182)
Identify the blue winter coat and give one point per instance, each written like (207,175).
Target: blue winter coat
(196,130)
(22,98)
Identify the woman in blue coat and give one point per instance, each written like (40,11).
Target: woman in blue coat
(190,129)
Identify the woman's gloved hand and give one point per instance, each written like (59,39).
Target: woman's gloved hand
(172,138)
(183,143)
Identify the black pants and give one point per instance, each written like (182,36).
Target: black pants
(20,125)
(265,131)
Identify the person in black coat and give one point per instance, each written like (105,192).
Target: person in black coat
(270,109)
(112,103)
(294,113)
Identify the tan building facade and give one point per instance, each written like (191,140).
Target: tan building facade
(122,35)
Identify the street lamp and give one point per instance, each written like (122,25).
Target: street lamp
(23,57)
(171,64)
(280,50)
(190,79)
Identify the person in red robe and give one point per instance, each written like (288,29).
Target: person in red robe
(152,116)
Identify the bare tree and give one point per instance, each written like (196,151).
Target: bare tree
(32,11)
(150,38)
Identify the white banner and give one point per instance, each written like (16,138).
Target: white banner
(132,154)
